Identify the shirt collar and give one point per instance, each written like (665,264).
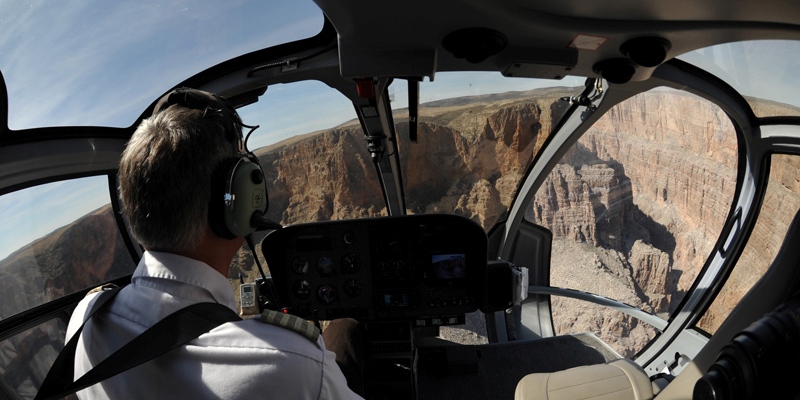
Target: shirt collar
(156,264)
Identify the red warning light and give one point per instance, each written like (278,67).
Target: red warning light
(365,88)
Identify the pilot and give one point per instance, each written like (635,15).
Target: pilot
(165,182)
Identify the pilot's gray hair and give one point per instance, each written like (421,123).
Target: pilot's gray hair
(165,177)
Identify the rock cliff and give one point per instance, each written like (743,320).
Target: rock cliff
(87,252)
(80,255)
(639,200)
(651,184)
(468,159)
(635,207)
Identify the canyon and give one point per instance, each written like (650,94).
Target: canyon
(635,206)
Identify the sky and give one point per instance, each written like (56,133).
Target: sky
(94,62)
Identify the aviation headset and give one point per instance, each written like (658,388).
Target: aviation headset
(238,187)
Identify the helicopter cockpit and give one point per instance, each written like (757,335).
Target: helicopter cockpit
(495,190)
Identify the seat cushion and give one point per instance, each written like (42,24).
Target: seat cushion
(617,380)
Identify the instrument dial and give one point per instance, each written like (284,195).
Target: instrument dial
(327,294)
(300,265)
(352,287)
(301,289)
(325,266)
(351,263)
(349,238)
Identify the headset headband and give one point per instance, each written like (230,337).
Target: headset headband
(210,103)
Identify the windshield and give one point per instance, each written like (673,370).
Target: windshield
(98,63)
(764,71)
(478,133)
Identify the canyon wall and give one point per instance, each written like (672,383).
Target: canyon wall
(468,160)
(73,257)
(643,196)
(640,199)
(635,207)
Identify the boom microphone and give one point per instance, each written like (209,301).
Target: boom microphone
(260,222)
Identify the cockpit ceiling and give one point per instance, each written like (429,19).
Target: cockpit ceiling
(570,35)
(678,10)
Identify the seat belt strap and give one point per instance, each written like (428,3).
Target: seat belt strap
(168,334)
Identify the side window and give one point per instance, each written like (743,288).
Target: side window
(781,202)
(635,208)
(57,239)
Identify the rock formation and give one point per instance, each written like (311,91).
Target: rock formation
(85,253)
(635,206)
(468,160)
(80,255)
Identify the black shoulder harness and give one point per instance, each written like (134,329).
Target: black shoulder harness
(171,332)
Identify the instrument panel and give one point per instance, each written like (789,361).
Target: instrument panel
(426,268)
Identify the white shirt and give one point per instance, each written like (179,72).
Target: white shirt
(245,359)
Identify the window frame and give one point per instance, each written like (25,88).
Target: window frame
(747,197)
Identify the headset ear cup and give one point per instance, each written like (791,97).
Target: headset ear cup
(216,205)
(238,191)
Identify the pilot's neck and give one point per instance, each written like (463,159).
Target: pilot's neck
(216,251)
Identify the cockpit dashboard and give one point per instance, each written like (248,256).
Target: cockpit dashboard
(427,269)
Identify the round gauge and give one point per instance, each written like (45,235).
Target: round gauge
(351,263)
(349,238)
(300,265)
(352,287)
(301,289)
(327,294)
(325,266)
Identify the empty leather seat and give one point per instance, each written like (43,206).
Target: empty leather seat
(616,380)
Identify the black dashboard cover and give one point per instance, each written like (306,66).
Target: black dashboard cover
(387,268)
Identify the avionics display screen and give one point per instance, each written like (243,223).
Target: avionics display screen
(446,267)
